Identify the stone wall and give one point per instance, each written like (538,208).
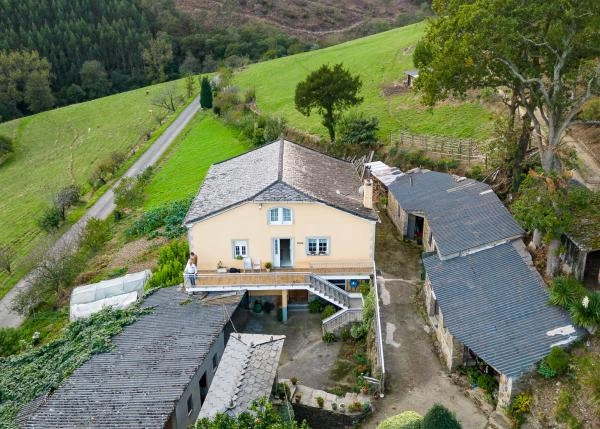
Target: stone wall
(397,215)
(321,418)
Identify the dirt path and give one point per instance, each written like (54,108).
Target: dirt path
(415,377)
(103,207)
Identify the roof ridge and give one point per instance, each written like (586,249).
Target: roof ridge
(280,160)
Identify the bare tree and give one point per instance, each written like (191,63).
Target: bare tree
(169,98)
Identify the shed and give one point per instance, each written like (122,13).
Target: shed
(119,292)
(411,76)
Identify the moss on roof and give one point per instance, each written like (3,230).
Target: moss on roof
(585,231)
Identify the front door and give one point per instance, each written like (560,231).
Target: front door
(282,252)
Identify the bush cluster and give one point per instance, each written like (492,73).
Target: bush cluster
(556,363)
(171,262)
(105,169)
(328,311)
(164,220)
(53,216)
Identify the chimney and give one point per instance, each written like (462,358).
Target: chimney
(368,193)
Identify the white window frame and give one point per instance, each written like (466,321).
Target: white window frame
(243,244)
(318,241)
(279,220)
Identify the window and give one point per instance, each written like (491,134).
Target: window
(317,246)
(240,248)
(215,361)
(280,216)
(190,405)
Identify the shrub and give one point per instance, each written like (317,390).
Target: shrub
(6,259)
(361,369)
(171,262)
(591,110)
(283,391)
(95,234)
(439,417)
(170,216)
(320,401)
(520,406)
(328,311)
(357,129)
(487,382)
(558,360)
(566,291)
(344,334)
(67,197)
(315,306)
(50,219)
(329,337)
(129,192)
(294,380)
(6,145)
(355,407)
(358,331)
(364,288)
(10,341)
(405,420)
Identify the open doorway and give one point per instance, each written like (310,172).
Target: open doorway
(591,275)
(283,253)
(415,228)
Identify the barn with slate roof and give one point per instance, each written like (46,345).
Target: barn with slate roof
(484,298)
(157,376)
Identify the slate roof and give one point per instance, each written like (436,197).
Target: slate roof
(137,384)
(279,171)
(462,215)
(497,305)
(246,372)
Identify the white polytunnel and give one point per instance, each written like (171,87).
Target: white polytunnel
(119,292)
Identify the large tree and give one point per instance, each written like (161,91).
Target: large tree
(94,79)
(156,57)
(329,90)
(206,95)
(544,54)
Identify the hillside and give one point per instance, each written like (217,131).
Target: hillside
(380,60)
(58,148)
(301,18)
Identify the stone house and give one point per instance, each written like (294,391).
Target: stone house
(484,298)
(157,376)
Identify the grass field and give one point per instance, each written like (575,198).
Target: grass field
(57,148)
(380,60)
(205,140)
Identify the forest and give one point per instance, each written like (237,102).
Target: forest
(59,52)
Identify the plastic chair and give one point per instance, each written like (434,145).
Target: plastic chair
(247,264)
(256,265)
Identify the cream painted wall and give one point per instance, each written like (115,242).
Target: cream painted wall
(352,238)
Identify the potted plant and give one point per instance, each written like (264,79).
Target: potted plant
(268,266)
(297,397)
(294,380)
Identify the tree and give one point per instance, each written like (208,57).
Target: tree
(206,96)
(439,417)
(356,129)
(67,197)
(329,90)
(25,77)
(129,192)
(545,53)
(190,85)
(38,95)
(94,79)
(156,57)
(169,98)
(546,204)
(261,415)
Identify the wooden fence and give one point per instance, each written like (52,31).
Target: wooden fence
(459,149)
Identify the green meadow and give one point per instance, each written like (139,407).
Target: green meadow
(60,147)
(205,141)
(380,60)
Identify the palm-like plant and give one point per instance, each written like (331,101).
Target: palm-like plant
(566,292)
(586,311)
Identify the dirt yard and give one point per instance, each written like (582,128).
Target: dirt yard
(415,377)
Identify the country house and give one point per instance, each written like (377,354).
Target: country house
(286,223)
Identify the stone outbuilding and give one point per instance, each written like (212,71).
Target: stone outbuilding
(484,298)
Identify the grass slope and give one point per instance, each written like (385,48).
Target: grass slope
(205,141)
(380,60)
(56,148)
